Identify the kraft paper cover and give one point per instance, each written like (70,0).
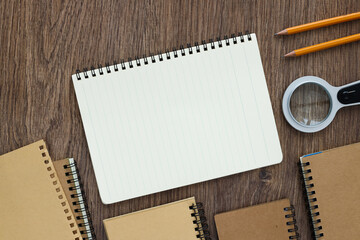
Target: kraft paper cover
(336,183)
(32,203)
(171,221)
(265,221)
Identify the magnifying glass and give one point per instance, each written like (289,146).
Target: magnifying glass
(310,103)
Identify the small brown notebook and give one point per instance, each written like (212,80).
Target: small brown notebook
(268,221)
(181,220)
(33,205)
(332,183)
(69,177)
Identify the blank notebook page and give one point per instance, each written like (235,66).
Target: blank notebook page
(178,121)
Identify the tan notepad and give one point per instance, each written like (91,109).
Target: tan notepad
(269,221)
(32,202)
(332,181)
(181,220)
(69,177)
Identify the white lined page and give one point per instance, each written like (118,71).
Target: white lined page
(177,122)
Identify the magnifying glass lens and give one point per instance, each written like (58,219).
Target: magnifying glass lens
(310,104)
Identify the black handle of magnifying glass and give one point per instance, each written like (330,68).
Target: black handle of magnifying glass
(349,95)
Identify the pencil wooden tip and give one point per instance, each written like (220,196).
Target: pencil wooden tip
(290,54)
(283,32)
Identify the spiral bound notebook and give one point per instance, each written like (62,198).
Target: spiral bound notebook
(332,183)
(69,177)
(32,202)
(178,118)
(181,220)
(270,221)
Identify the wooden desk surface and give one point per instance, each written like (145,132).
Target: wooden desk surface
(43,42)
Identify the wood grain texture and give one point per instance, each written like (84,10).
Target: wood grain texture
(42,43)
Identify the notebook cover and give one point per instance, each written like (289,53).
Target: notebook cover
(171,221)
(334,191)
(266,221)
(33,204)
(70,181)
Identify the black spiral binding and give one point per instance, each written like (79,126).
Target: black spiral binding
(83,226)
(292,222)
(200,221)
(191,49)
(311,200)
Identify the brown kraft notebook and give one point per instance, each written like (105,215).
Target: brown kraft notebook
(70,180)
(332,183)
(181,220)
(33,205)
(268,221)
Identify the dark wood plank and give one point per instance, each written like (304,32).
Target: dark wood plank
(43,42)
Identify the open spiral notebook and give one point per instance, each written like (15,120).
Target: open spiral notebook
(177,118)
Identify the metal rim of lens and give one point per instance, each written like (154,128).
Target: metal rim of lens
(335,106)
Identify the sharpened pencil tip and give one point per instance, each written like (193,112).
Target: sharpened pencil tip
(283,32)
(290,54)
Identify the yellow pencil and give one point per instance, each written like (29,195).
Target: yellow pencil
(319,24)
(325,45)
